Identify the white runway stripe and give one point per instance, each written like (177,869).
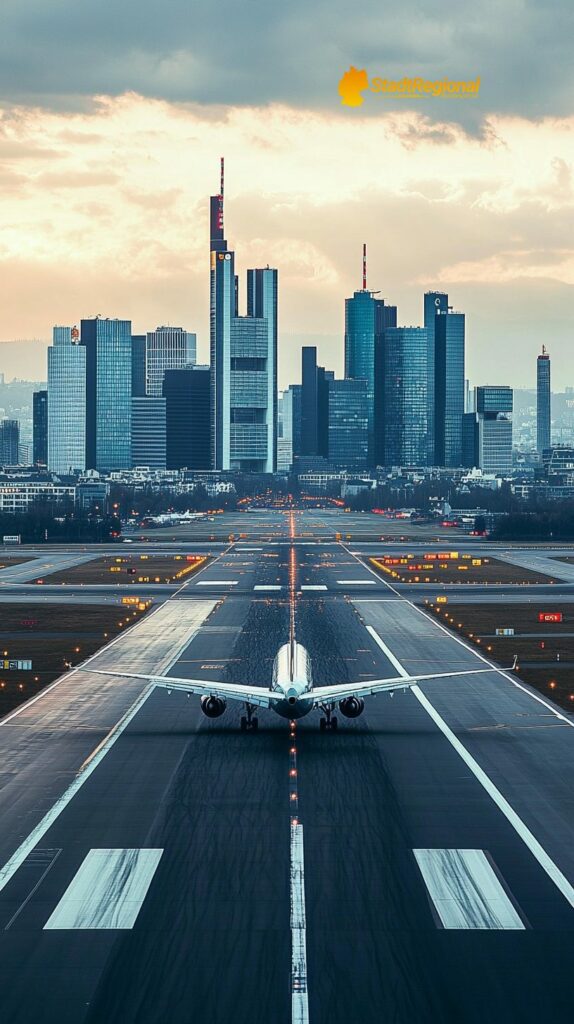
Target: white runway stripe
(357,583)
(107,891)
(269,586)
(299,995)
(318,586)
(216,583)
(465,890)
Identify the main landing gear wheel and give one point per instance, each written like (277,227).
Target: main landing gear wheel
(329,724)
(249,722)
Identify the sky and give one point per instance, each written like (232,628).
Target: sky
(113,117)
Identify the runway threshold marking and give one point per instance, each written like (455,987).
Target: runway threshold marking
(536,849)
(465,890)
(317,586)
(267,586)
(107,891)
(25,848)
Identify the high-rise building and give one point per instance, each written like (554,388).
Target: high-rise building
(108,345)
(149,432)
(314,405)
(188,417)
(262,301)
(167,348)
(366,318)
(434,303)
(243,359)
(348,417)
(487,433)
(404,396)
(138,366)
(291,437)
(9,442)
(448,387)
(66,402)
(40,428)
(543,402)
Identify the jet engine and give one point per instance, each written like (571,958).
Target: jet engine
(352,707)
(213,707)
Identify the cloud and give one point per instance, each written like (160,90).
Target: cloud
(490,221)
(62,53)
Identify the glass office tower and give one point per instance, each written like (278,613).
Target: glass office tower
(449,388)
(434,303)
(149,432)
(348,422)
(66,403)
(167,348)
(40,428)
(9,442)
(243,359)
(405,398)
(543,402)
(188,401)
(366,319)
(108,346)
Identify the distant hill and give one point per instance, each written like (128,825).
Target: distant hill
(25,360)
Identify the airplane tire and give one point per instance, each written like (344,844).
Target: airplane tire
(254,724)
(322,724)
(334,723)
(243,723)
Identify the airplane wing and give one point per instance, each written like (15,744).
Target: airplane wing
(328,694)
(202,687)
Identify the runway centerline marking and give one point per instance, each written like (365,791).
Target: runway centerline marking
(107,891)
(465,890)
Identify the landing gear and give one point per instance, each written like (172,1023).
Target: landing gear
(249,722)
(329,722)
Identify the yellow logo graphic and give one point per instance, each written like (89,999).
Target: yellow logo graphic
(351,85)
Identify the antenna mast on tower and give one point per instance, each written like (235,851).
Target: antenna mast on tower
(222,172)
(364,266)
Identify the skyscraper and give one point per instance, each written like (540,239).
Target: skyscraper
(314,405)
(138,366)
(243,359)
(66,402)
(434,303)
(448,388)
(262,299)
(149,432)
(40,428)
(366,318)
(9,442)
(348,417)
(188,421)
(404,396)
(487,433)
(108,347)
(543,402)
(167,348)
(291,423)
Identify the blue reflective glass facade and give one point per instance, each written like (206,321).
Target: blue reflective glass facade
(348,420)
(543,414)
(434,303)
(405,397)
(366,318)
(66,404)
(449,388)
(108,345)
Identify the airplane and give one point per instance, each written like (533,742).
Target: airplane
(291,694)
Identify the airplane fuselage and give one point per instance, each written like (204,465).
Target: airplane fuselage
(292,681)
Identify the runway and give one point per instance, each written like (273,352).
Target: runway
(193,821)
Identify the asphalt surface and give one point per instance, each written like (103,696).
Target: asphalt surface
(212,940)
